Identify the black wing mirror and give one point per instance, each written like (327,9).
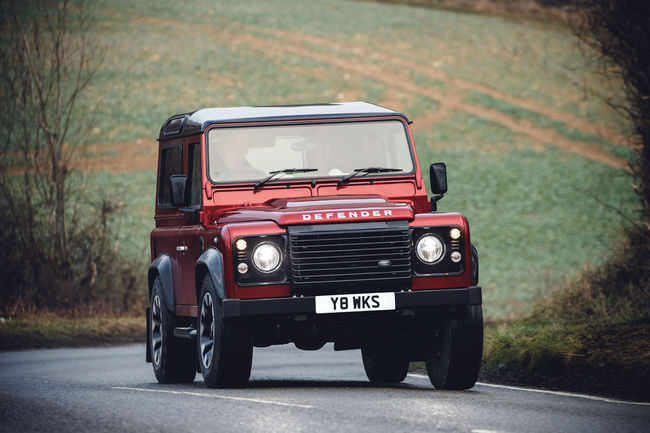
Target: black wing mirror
(438,177)
(178,183)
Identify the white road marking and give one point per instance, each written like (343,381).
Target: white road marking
(225,397)
(484,431)
(545,391)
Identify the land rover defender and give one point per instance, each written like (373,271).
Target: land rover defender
(308,225)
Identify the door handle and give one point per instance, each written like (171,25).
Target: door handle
(181,248)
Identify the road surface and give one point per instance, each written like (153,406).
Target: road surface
(113,389)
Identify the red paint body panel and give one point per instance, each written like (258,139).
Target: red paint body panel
(271,291)
(187,310)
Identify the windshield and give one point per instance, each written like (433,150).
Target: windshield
(332,149)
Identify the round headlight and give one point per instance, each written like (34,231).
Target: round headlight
(429,249)
(266,257)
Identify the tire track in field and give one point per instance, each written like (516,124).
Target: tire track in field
(453,101)
(459,83)
(136,155)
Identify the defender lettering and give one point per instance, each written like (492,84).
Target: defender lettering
(347,215)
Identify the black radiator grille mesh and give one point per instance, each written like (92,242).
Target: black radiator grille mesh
(369,258)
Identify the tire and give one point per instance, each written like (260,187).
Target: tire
(455,362)
(225,349)
(383,363)
(173,359)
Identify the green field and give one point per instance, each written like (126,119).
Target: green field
(534,154)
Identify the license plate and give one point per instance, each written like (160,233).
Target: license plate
(355,302)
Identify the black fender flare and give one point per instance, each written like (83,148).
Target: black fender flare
(210,263)
(474,253)
(162,267)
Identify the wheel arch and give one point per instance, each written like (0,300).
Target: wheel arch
(475,268)
(210,263)
(162,267)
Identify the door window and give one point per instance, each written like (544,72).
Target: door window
(170,163)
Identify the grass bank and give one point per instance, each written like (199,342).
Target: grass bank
(35,331)
(592,336)
(611,359)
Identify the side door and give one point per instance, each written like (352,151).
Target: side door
(190,239)
(177,232)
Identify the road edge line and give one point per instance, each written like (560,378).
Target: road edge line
(546,391)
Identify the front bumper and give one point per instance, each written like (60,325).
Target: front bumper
(307,304)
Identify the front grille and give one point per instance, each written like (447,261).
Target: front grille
(344,257)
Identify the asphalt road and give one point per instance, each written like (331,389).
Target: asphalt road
(113,389)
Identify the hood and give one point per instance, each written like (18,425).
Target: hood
(314,210)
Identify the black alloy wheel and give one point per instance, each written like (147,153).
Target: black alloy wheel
(224,348)
(173,358)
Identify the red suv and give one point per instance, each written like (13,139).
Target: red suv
(306,224)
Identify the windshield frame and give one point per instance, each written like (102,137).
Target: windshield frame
(320,177)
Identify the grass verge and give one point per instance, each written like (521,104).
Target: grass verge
(611,359)
(592,336)
(35,331)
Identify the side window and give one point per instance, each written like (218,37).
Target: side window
(170,163)
(195,173)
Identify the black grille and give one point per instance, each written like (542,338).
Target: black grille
(343,257)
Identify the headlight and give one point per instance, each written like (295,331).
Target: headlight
(429,249)
(266,257)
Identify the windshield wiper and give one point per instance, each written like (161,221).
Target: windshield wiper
(274,174)
(365,171)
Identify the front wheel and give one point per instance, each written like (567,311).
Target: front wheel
(225,349)
(455,361)
(383,363)
(173,359)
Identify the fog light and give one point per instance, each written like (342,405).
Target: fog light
(455,257)
(454,233)
(242,268)
(241,244)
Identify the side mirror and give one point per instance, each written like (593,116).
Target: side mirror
(438,177)
(178,183)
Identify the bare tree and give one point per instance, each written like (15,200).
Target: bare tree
(45,66)
(51,250)
(618,30)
